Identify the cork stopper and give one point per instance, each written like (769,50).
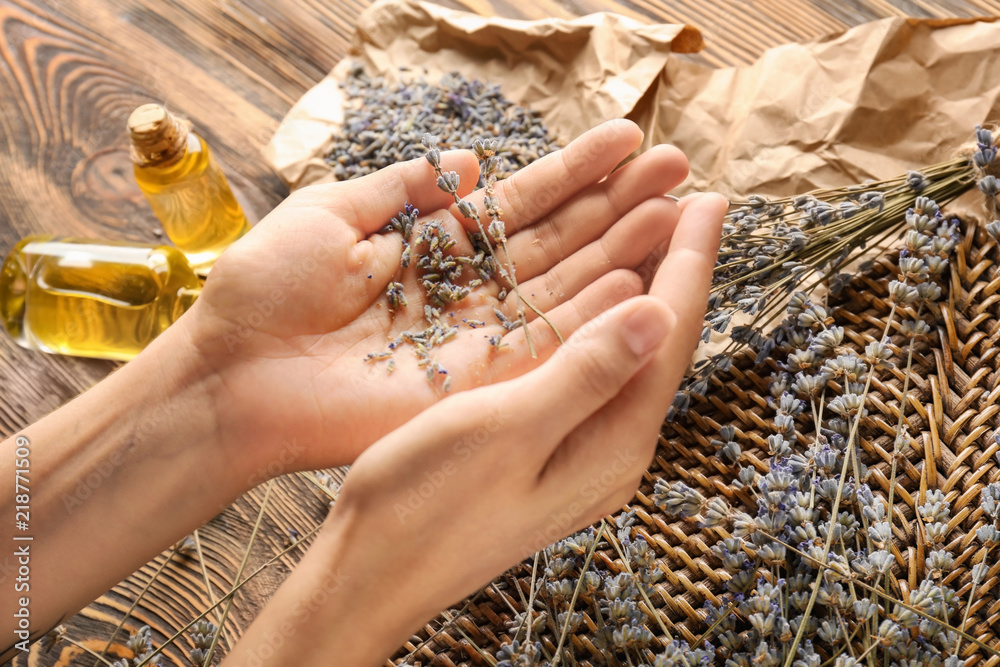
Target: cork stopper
(158,138)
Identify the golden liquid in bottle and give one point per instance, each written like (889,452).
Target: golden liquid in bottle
(92,298)
(193,201)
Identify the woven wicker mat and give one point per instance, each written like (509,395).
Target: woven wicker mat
(952,409)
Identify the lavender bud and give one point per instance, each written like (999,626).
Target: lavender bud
(901,293)
(914,328)
(812,317)
(936,532)
(890,633)
(915,180)
(913,268)
(822,213)
(993,229)
(730,452)
(881,561)
(429,141)
(984,156)
(716,513)
(848,209)
(872,200)
(989,499)
(929,291)
(915,242)
(448,181)
(804,202)
(936,265)
(497,229)
(434,157)
(984,137)
(919,222)
(797,303)
(938,561)
(926,206)
(826,341)
(848,405)
(988,185)
(677,499)
(468,209)
(877,355)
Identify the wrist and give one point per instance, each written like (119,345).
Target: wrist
(133,459)
(345,599)
(192,382)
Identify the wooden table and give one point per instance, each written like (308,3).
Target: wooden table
(73,70)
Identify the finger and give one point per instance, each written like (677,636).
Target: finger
(625,246)
(535,191)
(592,366)
(608,451)
(683,280)
(622,437)
(657,255)
(597,298)
(538,248)
(367,203)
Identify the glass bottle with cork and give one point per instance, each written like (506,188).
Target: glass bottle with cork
(184,185)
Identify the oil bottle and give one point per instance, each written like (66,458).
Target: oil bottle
(184,185)
(92,298)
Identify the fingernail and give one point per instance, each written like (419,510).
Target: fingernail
(645,329)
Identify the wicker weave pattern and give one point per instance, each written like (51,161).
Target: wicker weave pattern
(952,407)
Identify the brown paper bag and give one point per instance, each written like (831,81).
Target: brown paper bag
(870,102)
(575,73)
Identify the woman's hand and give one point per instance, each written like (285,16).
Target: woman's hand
(485,478)
(290,312)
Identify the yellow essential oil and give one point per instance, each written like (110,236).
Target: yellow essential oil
(184,185)
(92,298)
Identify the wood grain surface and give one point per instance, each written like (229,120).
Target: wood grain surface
(70,73)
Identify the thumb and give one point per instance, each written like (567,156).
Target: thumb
(594,364)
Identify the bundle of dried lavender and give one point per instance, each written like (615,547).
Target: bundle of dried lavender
(774,247)
(385,124)
(809,568)
(804,567)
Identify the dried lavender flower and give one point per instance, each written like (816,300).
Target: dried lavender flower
(385,124)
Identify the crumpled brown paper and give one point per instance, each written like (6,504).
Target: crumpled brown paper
(576,73)
(870,102)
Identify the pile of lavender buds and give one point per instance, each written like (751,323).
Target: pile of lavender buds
(384,124)
(441,272)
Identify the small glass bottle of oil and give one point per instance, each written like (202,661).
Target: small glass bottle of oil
(184,185)
(92,298)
